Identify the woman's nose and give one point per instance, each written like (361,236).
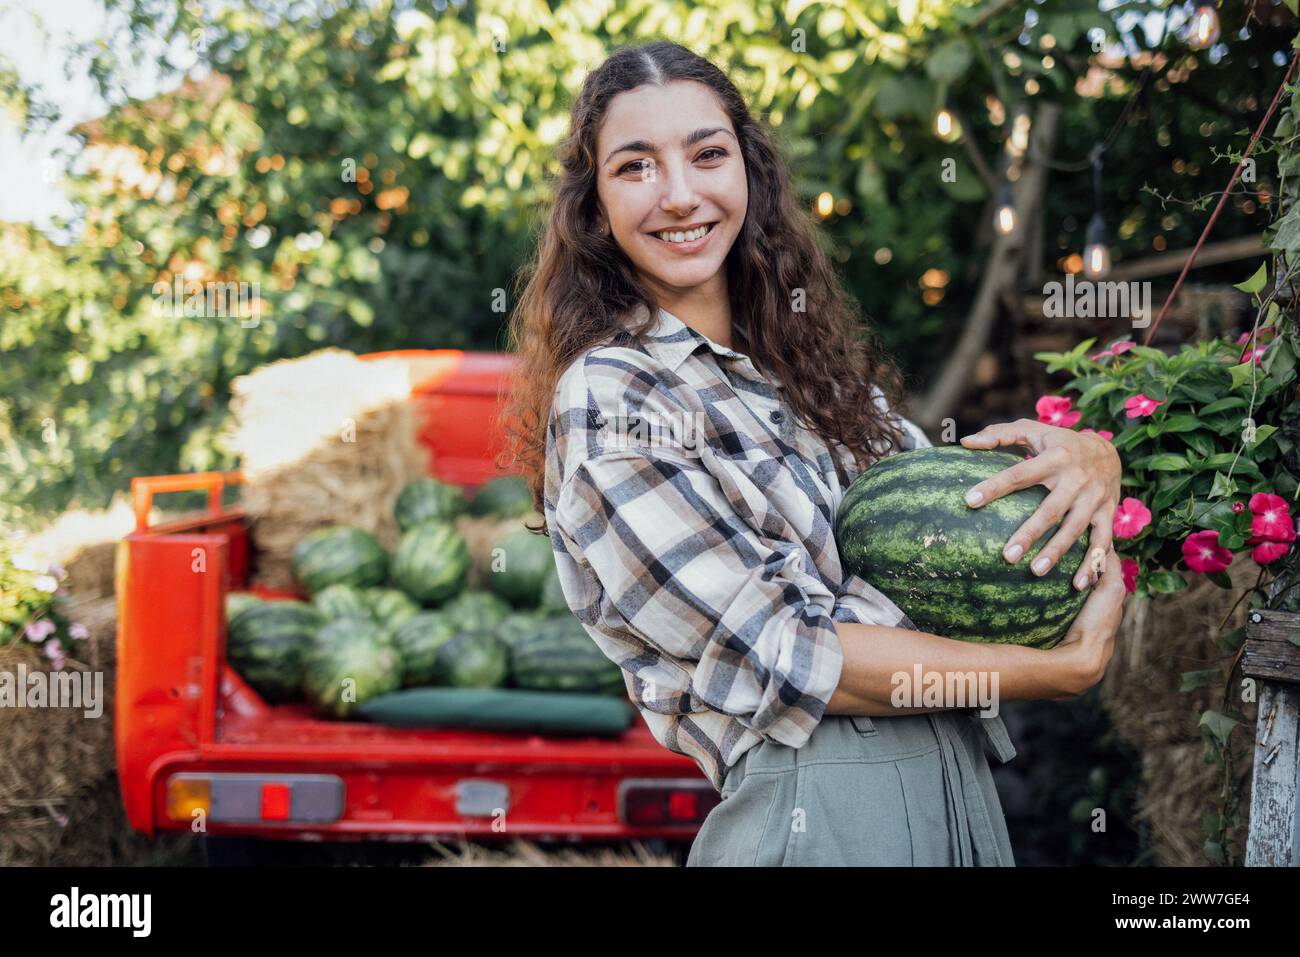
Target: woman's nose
(678,190)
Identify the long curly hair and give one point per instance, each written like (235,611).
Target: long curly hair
(577,289)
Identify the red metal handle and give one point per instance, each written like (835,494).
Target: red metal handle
(144,488)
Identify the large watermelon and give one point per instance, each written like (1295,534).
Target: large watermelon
(473,659)
(340,554)
(389,607)
(267,644)
(342,601)
(417,641)
(553,593)
(506,497)
(905,528)
(475,611)
(350,662)
(521,562)
(515,627)
(560,656)
(431,562)
(428,500)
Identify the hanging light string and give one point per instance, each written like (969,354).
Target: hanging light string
(1187,266)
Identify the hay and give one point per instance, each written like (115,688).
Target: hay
(528,854)
(84,542)
(1162,637)
(326,439)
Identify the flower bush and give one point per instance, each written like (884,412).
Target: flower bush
(32,600)
(1208,474)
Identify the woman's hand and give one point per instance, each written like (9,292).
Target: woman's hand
(1083,472)
(1087,647)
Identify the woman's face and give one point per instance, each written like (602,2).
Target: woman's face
(670,162)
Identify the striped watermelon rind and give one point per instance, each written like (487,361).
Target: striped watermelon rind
(521,562)
(341,601)
(267,644)
(431,563)
(428,500)
(473,659)
(475,610)
(389,606)
(904,527)
(418,641)
(560,656)
(349,662)
(339,555)
(505,497)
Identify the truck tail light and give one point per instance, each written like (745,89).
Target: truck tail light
(666,802)
(231,798)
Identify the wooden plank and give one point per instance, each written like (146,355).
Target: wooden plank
(1274,836)
(1271,651)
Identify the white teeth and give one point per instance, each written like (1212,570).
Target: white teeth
(686,237)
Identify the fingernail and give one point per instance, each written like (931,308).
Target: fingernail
(1014,552)
(1081,582)
(1040,564)
(974,497)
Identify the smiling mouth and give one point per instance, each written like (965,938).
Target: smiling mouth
(674,236)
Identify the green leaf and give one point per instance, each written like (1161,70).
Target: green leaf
(1219,725)
(1175,423)
(1096,390)
(1256,282)
(1241,374)
(1221,579)
(1191,680)
(1199,442)
(1166,583)
(1231,402)
(949,61)
(1261,436)
(1223,487)
(1162,462)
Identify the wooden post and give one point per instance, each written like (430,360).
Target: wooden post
(1272,658)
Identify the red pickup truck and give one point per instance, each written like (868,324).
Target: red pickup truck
(199,750)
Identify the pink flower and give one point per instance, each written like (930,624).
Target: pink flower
(1129,568)
(1204,554)
(1263,334)
(78,631)
(1118,348)
(1140,405)
(1272,521)
(1266,552)
(1238,507)
(1055,410)
(54,651)
(58,571)
(1253,355)
(1103,433)
(40,629)
(1130,518)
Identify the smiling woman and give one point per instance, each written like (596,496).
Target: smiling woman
(679,279)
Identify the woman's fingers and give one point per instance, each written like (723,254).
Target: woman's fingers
(1049,513)
(1021,475)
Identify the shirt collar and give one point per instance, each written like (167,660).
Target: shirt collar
(670,340)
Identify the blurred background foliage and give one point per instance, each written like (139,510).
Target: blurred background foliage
(379,170)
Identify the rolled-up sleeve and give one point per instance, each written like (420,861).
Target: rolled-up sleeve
(748,616)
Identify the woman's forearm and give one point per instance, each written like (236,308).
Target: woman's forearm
(878,660)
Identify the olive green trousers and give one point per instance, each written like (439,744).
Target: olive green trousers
(911,791)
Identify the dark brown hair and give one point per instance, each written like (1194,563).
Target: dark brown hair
(580,282)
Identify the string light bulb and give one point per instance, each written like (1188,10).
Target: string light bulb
(1096,251)
(1203,32)
(1004,215)
(825,205)
(946,126)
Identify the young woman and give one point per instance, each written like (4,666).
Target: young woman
(696,394)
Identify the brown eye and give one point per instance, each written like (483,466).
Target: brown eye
(713,149)
(629,167)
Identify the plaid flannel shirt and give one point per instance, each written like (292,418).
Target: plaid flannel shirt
(692,520)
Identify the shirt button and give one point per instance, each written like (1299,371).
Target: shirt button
(778,416)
